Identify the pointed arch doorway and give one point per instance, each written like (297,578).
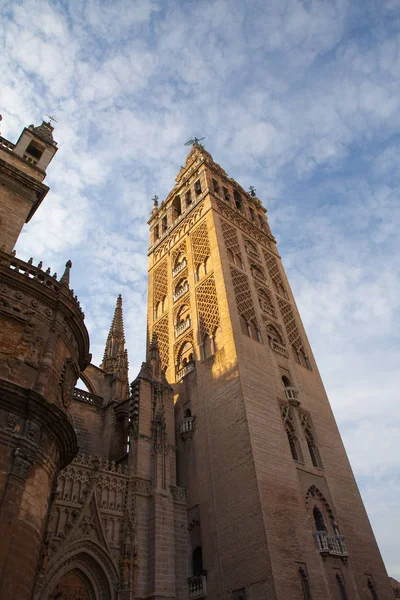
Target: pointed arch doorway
(74,584)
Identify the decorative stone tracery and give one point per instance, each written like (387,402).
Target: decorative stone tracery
(243,297)
(161,330)
(207,307)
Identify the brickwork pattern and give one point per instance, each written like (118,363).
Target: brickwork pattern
(243,297)
(200,244)
(160,283)
(289,321)
(230,238)
(273,270)
(207,306)
(161,329)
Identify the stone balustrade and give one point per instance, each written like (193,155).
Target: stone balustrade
(181,292)
(291,394)
(186,427)
(185,370)
(197,586)
(330,544)
(6,144)
(183,326)
(84,396)
(179,268)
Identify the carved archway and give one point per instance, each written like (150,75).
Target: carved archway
(85,562)
(74,584)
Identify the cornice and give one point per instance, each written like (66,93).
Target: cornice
(24,184)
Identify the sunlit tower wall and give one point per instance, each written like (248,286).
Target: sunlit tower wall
(273,508)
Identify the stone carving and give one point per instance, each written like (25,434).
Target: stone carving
(21,464)
(68,378)
(178,493)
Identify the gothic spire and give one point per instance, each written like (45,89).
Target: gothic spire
(115,359)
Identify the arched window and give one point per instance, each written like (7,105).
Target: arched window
(181,288)
(257,273)
(176,207)
(342,589)
(305,420)
(156,233)
(290,428)
(197,561)
(188,413)
(188,198)
(286,381)
(292,443)
(164,223)
(305,584)
(238,199)
(197,187)
(266,303)
(371,587)
(319,520)
(274,336)
(185,355)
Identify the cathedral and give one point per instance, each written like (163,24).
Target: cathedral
(219,472)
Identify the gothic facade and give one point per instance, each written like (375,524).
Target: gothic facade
(219,472)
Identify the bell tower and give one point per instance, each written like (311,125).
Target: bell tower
(273,507)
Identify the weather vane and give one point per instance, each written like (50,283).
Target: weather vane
(52,118)
(194,141)
(155,200)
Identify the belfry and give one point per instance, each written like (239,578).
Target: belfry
(219,472)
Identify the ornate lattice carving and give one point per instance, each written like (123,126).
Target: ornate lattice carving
(207,306)
(230,237)
(160,283)
(274,272)
(242,291)
(251,249)
(178,233)
(161,330)
(290,324)
(200,244)
(245,225)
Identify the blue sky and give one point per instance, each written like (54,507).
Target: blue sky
(298,98)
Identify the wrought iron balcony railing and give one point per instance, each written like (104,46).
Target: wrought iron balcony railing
(197,586)
(330,544)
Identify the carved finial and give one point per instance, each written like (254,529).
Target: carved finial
(30,261)
(115,359)
(155,201)
(252,191)
(65,278)
(14,253)
(48,271)
(40,265)
(54,275)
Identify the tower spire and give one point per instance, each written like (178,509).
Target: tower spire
(115,359)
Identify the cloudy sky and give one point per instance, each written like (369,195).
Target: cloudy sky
(299,98)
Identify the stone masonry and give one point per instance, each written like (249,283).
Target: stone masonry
(219,472)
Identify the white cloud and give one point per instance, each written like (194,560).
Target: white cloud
(299,99)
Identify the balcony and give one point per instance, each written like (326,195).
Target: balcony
(181,327)
(179,268)
(330,544)
(292,395)
(181,292)
(186,428)
(84,396)
(185,370)
(197,586)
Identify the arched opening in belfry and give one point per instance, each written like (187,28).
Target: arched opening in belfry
(74,584)
(176,207)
